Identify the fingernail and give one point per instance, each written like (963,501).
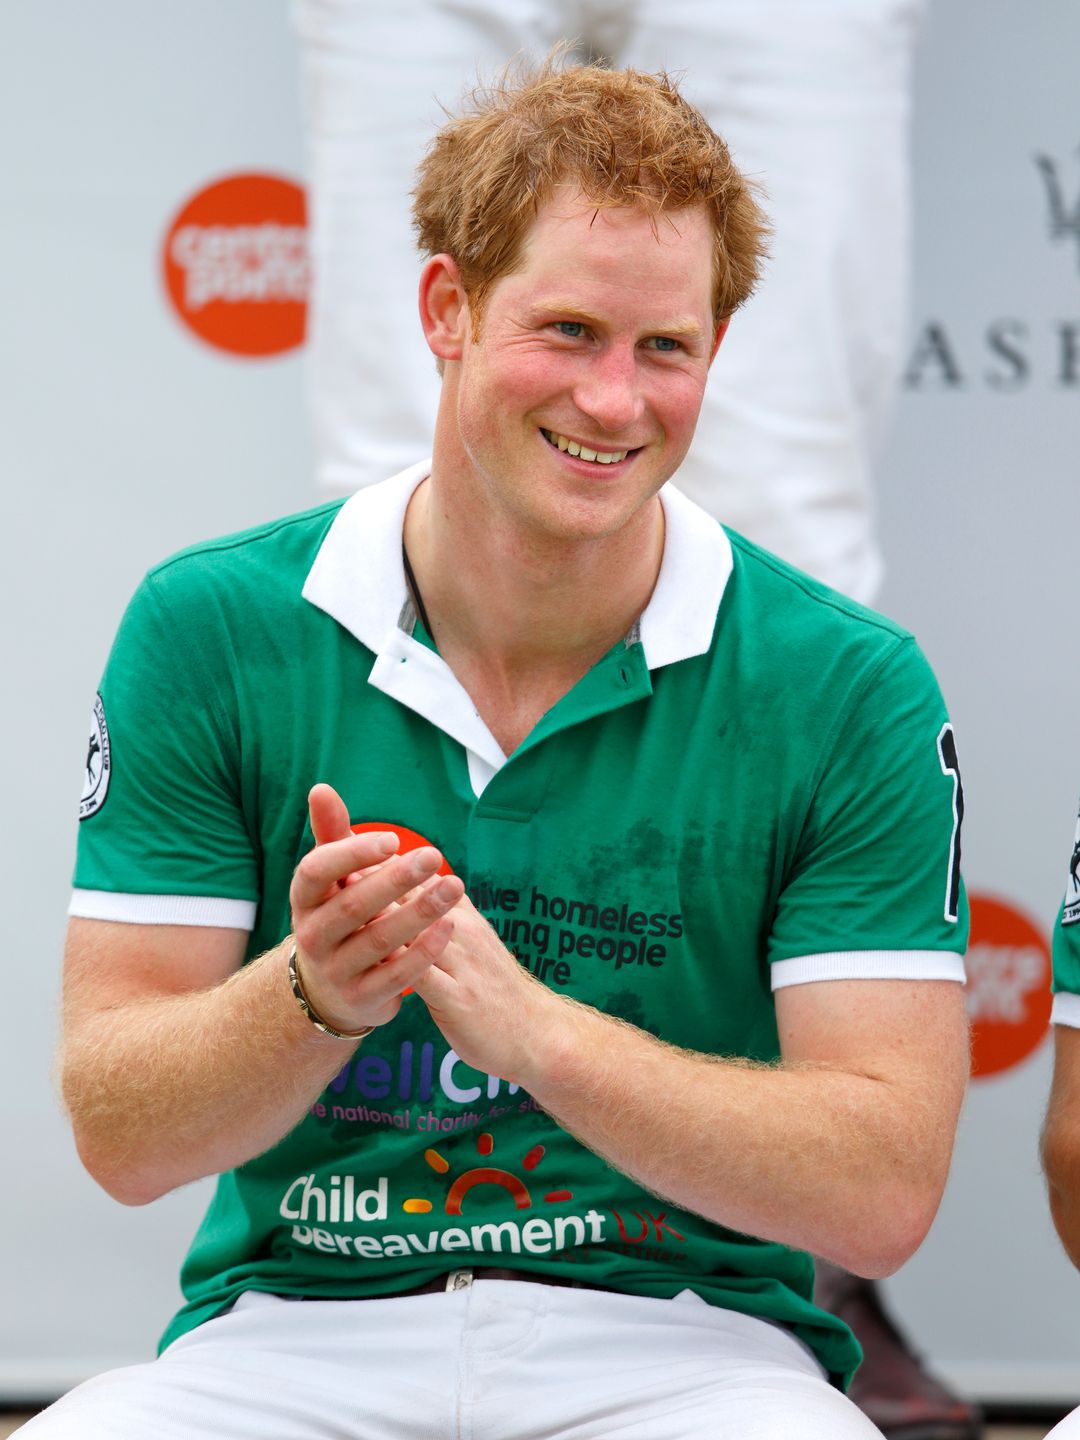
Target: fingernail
(387,844)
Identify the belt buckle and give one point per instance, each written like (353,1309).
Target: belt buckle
(458,1280)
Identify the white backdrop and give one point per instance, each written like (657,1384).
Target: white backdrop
(980,516)
(126,437)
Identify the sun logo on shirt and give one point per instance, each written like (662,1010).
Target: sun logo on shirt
(485,1175)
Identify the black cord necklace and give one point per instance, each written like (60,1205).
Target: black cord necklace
(415,588)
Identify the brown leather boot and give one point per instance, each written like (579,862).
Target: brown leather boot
(891,1386)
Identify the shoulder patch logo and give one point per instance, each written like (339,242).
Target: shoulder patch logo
(98,764)
(1071,914)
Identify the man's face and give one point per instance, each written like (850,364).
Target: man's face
(600,344)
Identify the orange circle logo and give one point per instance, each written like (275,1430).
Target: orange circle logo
(1008,985)
(410,839)
(236,264)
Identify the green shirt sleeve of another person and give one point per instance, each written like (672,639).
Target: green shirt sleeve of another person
(1066,943)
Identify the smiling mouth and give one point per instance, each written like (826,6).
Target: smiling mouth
(582,452)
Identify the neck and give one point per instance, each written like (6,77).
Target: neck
(524,606)
(521,616)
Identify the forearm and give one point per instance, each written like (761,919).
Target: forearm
(178,1061)
(845,1165)
(164,1090)
(1063,1186)
(1060,1151)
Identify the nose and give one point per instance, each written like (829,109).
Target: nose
(608,389)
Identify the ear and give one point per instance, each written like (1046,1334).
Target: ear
(444,307)
(721,331)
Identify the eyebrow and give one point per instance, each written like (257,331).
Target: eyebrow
(680,329)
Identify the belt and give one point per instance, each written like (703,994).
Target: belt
(462,1279)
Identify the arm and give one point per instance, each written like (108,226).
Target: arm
(1061,1140)
(178,1063)
(842,1148)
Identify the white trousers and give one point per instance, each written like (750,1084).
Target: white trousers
(501,1360)
(812,97)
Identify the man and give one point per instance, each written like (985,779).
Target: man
(709,809)
(814,102)
(1060,1150)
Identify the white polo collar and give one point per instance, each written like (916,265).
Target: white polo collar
(358,578)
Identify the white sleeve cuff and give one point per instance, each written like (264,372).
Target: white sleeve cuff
(1065,1009)
(869,965)
(211,910)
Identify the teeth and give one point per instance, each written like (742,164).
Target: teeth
(600,457)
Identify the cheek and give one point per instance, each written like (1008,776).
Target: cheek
(491,404)
(541,384)
(526,375)
(677,401)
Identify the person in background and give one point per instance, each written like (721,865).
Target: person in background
(1061,1132)
(814,101)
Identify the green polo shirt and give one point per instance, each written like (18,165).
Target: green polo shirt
(757,787)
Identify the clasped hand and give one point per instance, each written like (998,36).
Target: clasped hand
(370,924)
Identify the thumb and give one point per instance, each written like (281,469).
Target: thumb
(329,815)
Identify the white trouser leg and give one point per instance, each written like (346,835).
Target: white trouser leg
(813,101)
(502,1360)
(374,77)
(556,1364)
(274,1369)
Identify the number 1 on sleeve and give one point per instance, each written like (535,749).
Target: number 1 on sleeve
(946,747)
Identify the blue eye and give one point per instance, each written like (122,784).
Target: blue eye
(573,329)
(665,343)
